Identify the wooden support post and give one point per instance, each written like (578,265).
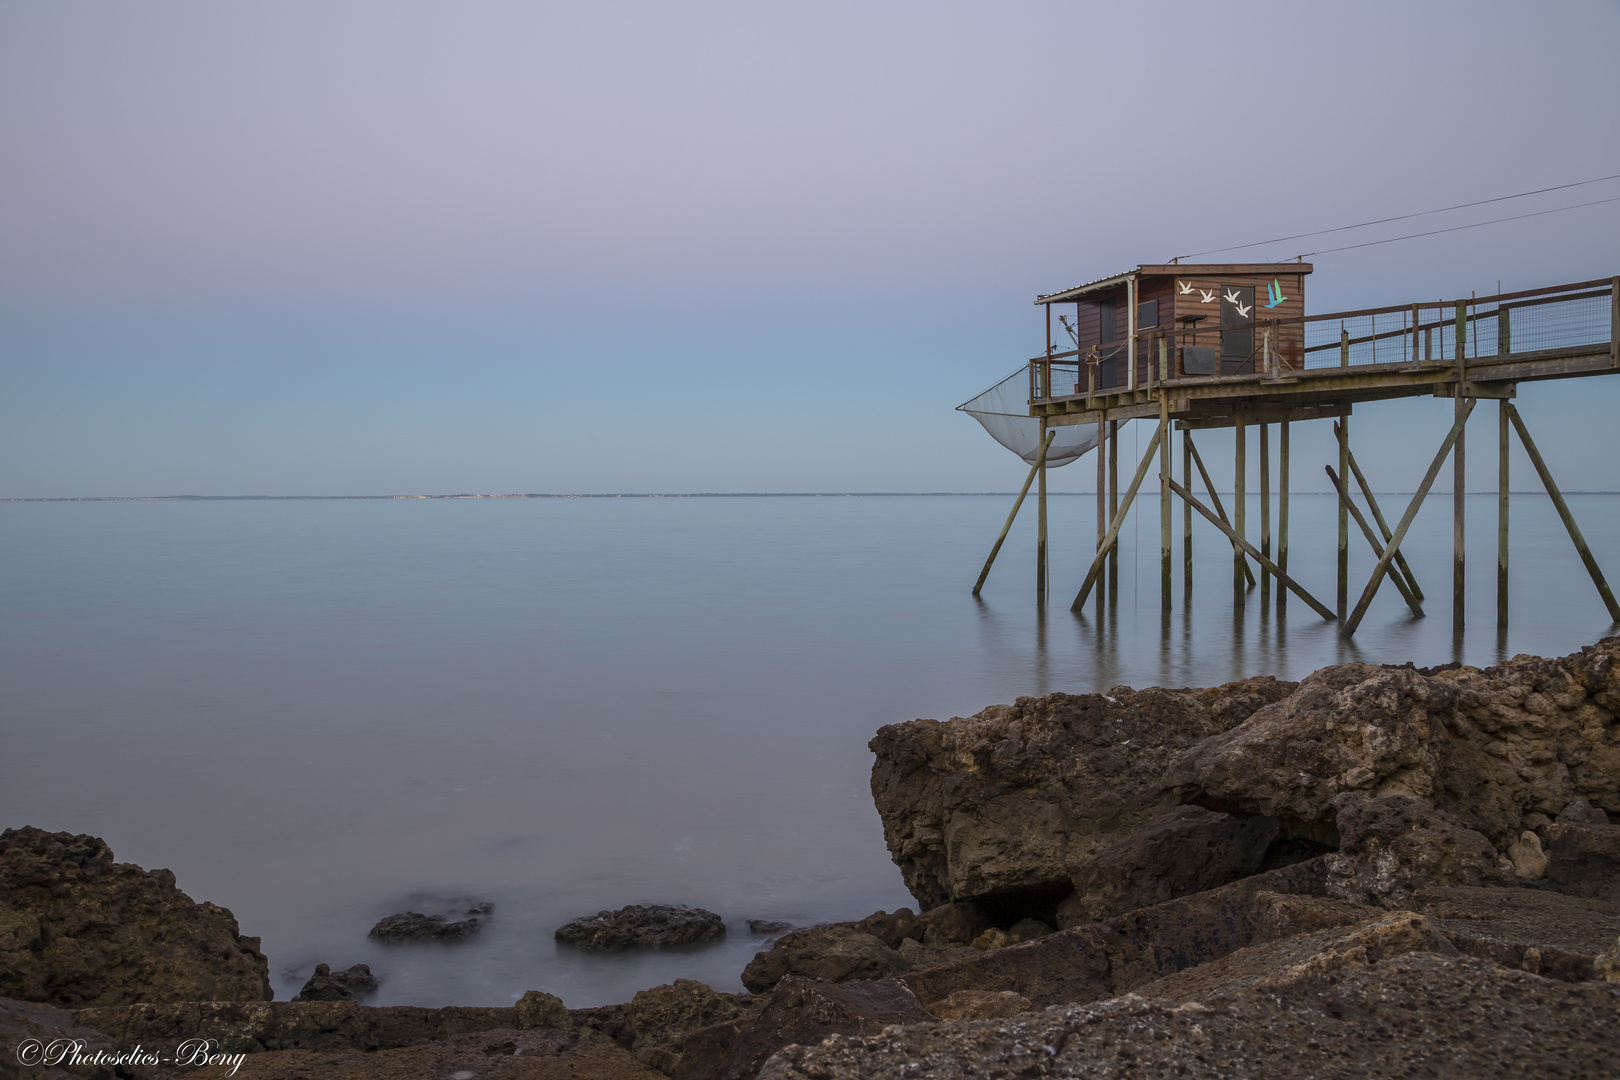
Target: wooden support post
(1240,503)
(1502,513)
(1394,544)
(1040,463)
(1415,348)
(1344,520)
(1282,510)
(1378,515)
(1040,519)
(1504,330)
(1215,498)
(1614,323)
(1102,489)
(1113,508)
(1459,482)
(1265,512)
(1366,530)
(1186,514)
(1238,541)
(1118,518)
(1344,347)
(1165,574)
(1563,512)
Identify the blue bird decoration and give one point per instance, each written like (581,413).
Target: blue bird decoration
(1274,294)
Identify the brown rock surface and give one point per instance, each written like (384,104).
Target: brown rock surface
(1393,845)
(1418,1014)
(1015,796)
(1584,860)
(807,1011)
(506,1054)
(28,1032)
(835,953)
(77,928)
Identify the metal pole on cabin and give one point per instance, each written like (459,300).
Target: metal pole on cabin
(1164,502)
(1265,512)
(1502,513)
(1563,512)
(1186,514)
(1459,482)
(1040,518)
(1103,443)
(1344,517)
(1018,502)
(1113,508)
(1239,504)
(1282,509)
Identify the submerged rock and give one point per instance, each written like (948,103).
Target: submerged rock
(349,984)
(643,926)
(78,929)
(415,926)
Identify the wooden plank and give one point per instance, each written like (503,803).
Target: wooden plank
(1040,460)
(1564,513)
(1119,517)
(1394,544)
(1366,530)
(1238,541)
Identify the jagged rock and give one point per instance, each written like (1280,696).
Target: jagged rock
(1528,860)
(77,928)
(346,985)
(497,1054)
(980,1005)
(643,926)
(666,1013)
(768,927)
(807,1011)
(1029,929)
(835,953)
(1186,851)
(1418,1014)
(954,924)
(915,956)
(994,938)
(1016,796)
(415,926)
(28,1033)
(1584,860)
(1394,845)
(1565,933)
(1581,812)
(538,1009)
(895,928)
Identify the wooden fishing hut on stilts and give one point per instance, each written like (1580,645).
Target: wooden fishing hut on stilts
(1229,345)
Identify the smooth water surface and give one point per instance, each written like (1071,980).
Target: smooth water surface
(321,712)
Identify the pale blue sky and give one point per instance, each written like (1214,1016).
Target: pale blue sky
(344,247)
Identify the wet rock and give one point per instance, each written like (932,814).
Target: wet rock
(1186,851)
(538,1009)
(347,985)
(415,926)
(834,953)
(1418,1014)
(1394,845)
(807,1011)
(77,929)
(1016,796)
(1584,860)
(980,1005)
(643,926)
(768,927)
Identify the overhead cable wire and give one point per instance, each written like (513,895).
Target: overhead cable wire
(1405,217)
(1459,228)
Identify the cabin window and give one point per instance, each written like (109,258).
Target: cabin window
(1147,315)
(1105,322)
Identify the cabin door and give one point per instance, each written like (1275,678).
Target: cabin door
(1237,346)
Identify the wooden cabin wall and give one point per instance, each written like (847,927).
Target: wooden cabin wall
(1149,289)
(1290,338)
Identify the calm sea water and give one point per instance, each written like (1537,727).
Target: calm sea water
(321,712)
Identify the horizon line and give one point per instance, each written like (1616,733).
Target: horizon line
(663,495)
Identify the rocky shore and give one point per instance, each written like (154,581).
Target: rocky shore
(1377,871)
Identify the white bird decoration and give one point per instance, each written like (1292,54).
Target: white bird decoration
(1185,286)
(1231,296)
(1207,297)
(1243,311)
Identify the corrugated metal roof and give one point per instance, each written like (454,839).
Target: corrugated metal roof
(1188,269)
(1087,287)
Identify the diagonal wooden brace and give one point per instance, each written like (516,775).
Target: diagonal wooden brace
(1275,570)
(1119,518)
(1005,529)
(1394,545)
(1215,498)
(1366,530)
(1378,515)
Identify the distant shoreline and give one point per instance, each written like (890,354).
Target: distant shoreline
(651,495)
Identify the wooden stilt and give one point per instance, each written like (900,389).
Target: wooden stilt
(1118,518)
(1040,518)
(1563,512)
(1282,578)
(1102,488)
(1113,508)
(1378,515)
(1164,503)
(1040,462)
(1459,481)
(1394,544)
(1502,512)
(1355,512)
(1186,514)
(1215,499)
(1240,506)
(1282,510)
(1344,518)
(1265,512)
